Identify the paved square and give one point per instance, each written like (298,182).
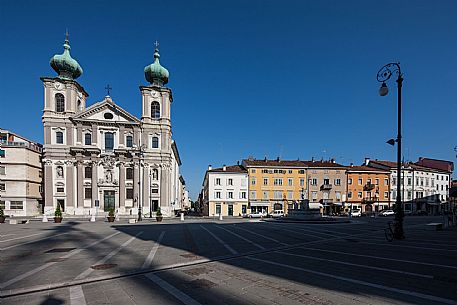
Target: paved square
(234,261)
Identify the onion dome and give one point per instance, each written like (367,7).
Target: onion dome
(64,64)
(156,74)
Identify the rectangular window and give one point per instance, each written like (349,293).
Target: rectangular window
(277,181)
(253,170)
(230,182)
(244,181)
(368,181)
(2,170)
(349,195)
(243,195)
(360,181)
(410,180)
(290,171)
(301,172)
(338,196)
(129,193)
(359,195)
(394,181)
(265,195)
(2,186)
(386,182)
(59,137)
(386,195)
(60,190)
(350,181)
(314,181)
(218,195)
(253,195)
(410,194)
(2,204)
(337,181)
(154,191)
(230,195)
(129,173)
(290,181)
(426,182)
(314,195)
(218,209)
(289,195)
(129,141)
(265,181)
(109,141)
(2,153)
(16,205)
(87,139)
(88,172)
(377,181)
(277,195)
(218,181)
(87,193)
(253,181)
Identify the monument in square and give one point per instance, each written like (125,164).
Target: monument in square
(302,211)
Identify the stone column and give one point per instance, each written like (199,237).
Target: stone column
(94,183)
(146,189)
(121,185)
(48,185)
(69,184)
(94,134)
(79,133)
(121,135)
(164,187)
(80,184)
(69,139)
(136,180)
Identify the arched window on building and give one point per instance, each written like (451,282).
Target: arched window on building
(87,139)
(155,110)
(60,102)
(155,142)
(59,137)
(129,141)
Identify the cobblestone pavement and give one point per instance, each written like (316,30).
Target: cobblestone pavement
(233,261)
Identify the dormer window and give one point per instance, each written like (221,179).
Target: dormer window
(155,110)
(60,102)
(87,139)
(129,141)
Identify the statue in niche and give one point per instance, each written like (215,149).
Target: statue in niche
(108,176)
(59,170)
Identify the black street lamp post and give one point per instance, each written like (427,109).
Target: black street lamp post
(383,75)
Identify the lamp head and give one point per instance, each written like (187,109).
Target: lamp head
(383,90)
(391,142)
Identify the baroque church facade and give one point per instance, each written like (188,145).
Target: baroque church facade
(101,157)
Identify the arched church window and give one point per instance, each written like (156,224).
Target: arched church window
(155,142)
(59,137)
(60,102)
(87,139)
(129,141)
(155,110)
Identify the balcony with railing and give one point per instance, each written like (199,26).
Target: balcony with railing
(32,146)
(326,186)
(368,187)
(369,200)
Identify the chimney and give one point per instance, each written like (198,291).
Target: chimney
(237,162)
(210,167)
(224,168)
(352,164)
(367,161)
(277,159)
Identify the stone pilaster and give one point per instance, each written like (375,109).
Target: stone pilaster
(136,187)
(79,133)
(48,185)
(146,189)
(69,184)
(164,187)
(94,183)
(122,185)
(80,186)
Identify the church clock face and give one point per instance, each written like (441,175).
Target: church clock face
(154,93)
(58,85)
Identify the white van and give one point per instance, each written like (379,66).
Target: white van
(356,213)
(277,213)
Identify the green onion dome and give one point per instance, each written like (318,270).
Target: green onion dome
(64,64)
(156,74)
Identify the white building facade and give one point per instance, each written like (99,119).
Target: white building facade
(225,191)
(21,172)
(100,157)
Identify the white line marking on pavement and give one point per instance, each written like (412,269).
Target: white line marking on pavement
(220,240)
(32,241)
(4,241)
(339,262)
(38,269)
(107,257)
(373,285)
(379,257)
(77,296)
(172,290)
(243,238)
(406,246)
(266,237)
(301,233)
(148,261)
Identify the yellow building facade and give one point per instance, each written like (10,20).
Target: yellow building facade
(274,184)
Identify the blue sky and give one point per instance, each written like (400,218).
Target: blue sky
(295,79)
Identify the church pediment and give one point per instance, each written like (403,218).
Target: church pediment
(106,112)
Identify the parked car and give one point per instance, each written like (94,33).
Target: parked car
(356,213)
(257,215)
(277,214)
(387,213)
(422,213)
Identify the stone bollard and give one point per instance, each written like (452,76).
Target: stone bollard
(182,216)
(220,216)
(92,218)
(45,218)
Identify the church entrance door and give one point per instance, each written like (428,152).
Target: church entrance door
(108,198)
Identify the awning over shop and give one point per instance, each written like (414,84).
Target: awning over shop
(315,205)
